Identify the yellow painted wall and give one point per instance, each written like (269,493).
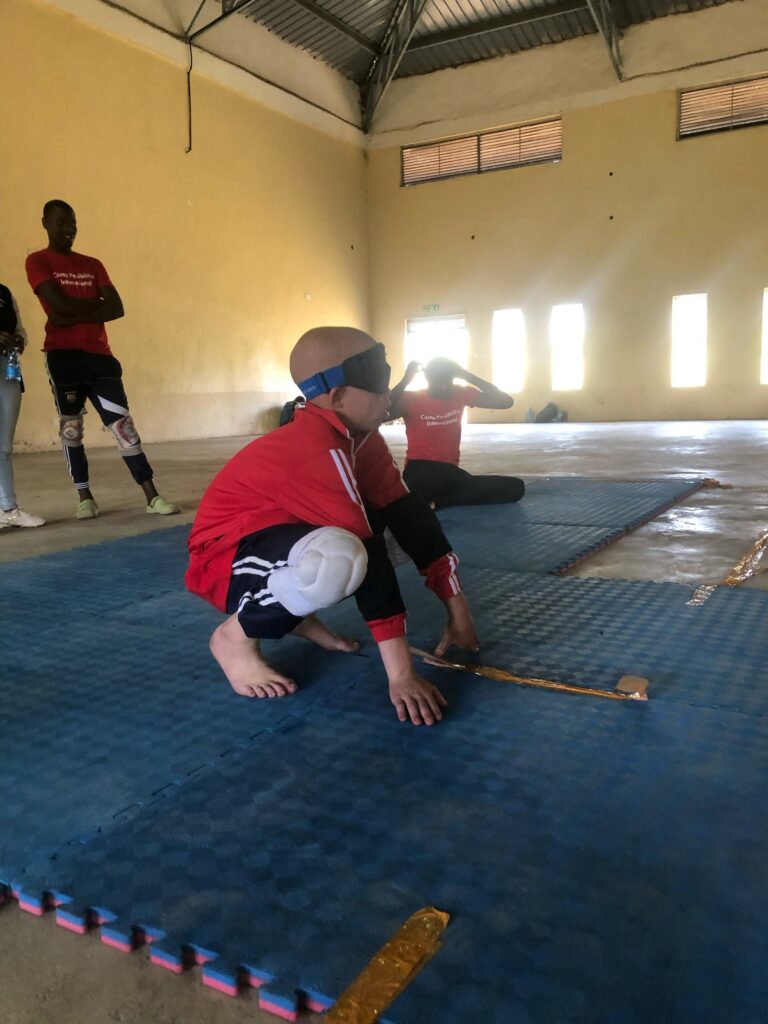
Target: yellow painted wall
(213,252)
(687,216)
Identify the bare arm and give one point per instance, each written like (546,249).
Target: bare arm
(490,397)
(395,393)
(67,311)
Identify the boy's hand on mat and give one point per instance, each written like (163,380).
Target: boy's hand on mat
(460,627)
(416,699)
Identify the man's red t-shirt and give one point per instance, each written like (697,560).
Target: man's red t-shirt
(80,277)
(433,425)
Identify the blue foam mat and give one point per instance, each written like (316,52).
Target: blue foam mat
(327,791)
(580,501)
(559,522)
(601,861)
(590,632)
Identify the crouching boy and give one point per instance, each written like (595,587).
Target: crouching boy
(294,523)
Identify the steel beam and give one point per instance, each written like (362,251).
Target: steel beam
(384,65)
(229,7)
(527,17)
(602,15)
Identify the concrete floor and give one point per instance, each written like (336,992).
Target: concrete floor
(48,976)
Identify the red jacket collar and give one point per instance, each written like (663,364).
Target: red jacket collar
(310,409)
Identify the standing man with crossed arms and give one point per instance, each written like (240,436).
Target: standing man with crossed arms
(78,298)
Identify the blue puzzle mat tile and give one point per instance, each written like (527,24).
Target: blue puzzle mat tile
(506,541)
(590,632)
(93,580)
(559,522)
(580,501)
(94,729)
(601,861)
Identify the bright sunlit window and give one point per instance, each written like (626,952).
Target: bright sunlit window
(509,349)
(566,336)
(429,337)
(689,341)
(764,347)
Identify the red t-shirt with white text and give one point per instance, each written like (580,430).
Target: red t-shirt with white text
(433,425)
(80,277)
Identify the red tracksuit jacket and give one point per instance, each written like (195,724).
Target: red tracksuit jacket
(313,470)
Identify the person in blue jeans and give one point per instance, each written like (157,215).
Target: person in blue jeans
(12,336)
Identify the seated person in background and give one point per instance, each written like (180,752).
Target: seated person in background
(294,522)
(433,428)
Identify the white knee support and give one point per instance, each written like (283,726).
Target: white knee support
(71,431)
(126,435)
(324,567)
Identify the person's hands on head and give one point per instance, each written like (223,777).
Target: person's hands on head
(459,628)
(416,700)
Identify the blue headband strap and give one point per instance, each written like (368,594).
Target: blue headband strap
(321,383)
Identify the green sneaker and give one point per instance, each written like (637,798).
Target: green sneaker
(87,509)
(159,506)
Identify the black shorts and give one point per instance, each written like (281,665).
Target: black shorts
(76,376)
(258,555)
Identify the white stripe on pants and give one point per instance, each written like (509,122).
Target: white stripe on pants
(10,403)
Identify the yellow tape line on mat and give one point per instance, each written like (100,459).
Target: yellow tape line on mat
(391,969)
(745,568)
(637,690)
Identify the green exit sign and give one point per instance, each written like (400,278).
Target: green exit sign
(431,307)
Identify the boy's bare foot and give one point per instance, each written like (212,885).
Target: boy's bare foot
(313,629)
(244,666)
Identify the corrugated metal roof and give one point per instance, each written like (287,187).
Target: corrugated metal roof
(306,29)
(346,34)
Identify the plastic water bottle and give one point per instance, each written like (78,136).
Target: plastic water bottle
(12,366)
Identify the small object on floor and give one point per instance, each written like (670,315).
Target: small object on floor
(20,517)
(712,482)
(635,687)
(87,509)
(548,414)
(628,687)
(391,969)
(159,506)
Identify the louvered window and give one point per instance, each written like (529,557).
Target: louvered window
(491,151)
(721,107)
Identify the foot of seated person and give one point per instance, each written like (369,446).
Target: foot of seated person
(242,662)
(313,629)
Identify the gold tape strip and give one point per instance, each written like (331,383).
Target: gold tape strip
(393,967)
(745,568)
(503,676)
(747,564)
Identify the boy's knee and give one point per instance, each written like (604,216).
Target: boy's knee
(324,567)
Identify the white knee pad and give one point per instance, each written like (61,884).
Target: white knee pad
(71,431)
(324,567)
(126,435)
